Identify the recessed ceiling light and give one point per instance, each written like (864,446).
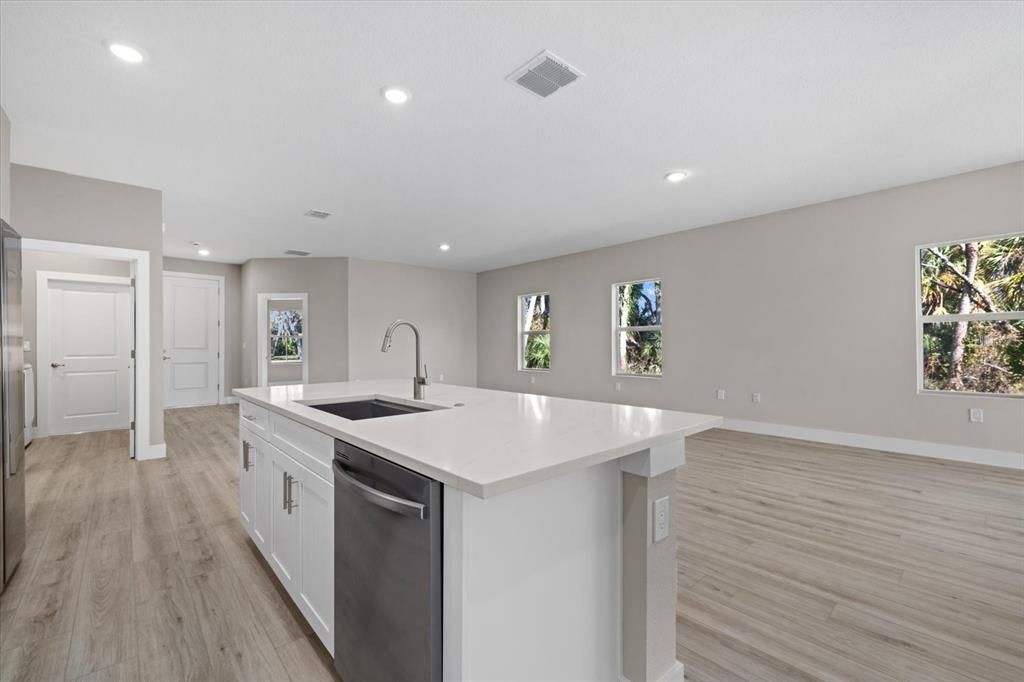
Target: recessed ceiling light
(676,176)
(126,53)
(445,247)
(204,252)
(396,95)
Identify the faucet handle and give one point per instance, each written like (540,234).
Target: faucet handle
(426,375)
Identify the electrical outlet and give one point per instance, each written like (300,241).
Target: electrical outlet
(533,380)
(27,346)
(976,415)
(618,385)
(661,519)
(755,397)
(720,394)
(440,377)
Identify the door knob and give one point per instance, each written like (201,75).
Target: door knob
(55,365)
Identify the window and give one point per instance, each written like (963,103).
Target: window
(637,315)
(286,335)
(534,315)
(971,316)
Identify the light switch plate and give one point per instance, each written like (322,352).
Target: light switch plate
(976,415)
(661,519)
(720,394)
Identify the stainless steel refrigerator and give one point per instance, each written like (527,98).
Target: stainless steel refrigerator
(12,406)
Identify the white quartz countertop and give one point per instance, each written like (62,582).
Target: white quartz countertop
(495,441)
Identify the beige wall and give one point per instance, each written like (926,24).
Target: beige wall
(36,261)
(47,204)
(812,307)
(442,305)
(232,275)
(5,167)
(325,280)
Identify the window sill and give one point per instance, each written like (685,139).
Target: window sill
(286,362)
(534,371)
(971,394)
(637,376)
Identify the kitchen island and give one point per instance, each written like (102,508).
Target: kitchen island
(559,555)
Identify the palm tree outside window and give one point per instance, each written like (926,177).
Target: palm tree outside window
(637,328)
(286,336)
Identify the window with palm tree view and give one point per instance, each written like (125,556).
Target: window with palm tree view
(285,335)
(972,316)
(535,331)
(638,328)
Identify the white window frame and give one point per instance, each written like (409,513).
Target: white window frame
(263,336)
(616,329)
(522,335)
(920,319)
(301,336)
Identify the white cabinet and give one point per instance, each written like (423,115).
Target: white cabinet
(285,538)
(316,570)
(289,513)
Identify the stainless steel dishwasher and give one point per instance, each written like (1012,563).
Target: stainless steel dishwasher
(387,570)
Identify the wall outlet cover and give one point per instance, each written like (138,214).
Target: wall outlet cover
(755,397)
(661,519)
(720,394)
(976,415)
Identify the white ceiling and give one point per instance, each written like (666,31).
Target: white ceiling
(248,114)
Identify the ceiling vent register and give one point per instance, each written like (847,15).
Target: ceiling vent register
(296,252)
(545,74)
(313,213)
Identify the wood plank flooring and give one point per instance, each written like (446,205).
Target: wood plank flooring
(801,561)
(797,562)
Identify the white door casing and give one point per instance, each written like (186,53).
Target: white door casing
(263,334)
(89,344)
(192,340)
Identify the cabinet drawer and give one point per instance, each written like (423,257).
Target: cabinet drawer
(308,447)
(253,416)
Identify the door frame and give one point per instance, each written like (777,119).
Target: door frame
(139,261)
(45,373)
(221,397)
(263,337)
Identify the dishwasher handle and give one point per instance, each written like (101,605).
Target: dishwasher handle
(390,502)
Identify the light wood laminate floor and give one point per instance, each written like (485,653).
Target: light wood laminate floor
(797,561)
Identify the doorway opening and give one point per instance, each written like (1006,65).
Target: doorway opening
(89,310)
(283,333)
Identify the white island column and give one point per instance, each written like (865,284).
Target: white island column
(649,564)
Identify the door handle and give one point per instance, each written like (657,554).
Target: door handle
(383,500)
(291,494)
(167,357)
(284,490)
(55,365)
(245,456)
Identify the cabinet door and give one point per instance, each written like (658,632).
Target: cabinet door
(263,504)
(315,497)
(284,519)
(246,481)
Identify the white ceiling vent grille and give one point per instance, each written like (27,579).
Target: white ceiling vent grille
(296,252)
(313,213)
(545,74)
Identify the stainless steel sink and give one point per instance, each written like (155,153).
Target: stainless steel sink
(368,409)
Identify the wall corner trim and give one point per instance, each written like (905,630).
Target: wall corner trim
(903,446)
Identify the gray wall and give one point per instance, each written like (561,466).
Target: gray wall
(47,204)
(325,280)
(5,167)
(812,307)
(441,303)
(35,261)
(232,275)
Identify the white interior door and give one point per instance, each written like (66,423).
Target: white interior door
(191,341)
(90,356)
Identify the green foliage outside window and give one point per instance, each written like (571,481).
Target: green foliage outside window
(285,335)
(983,278)
(638,328)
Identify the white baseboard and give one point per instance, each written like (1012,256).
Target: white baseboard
(158,451)
(673,674)
(228,400)
(903,446)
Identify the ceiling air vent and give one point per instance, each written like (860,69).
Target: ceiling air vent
(296,252)
(545,74)
(313,213)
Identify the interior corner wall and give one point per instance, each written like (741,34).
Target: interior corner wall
(232,274)
(50,205)
(442,305)
(5,167)
(813,308)
(325,280)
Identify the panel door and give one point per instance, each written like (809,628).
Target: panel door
(285,524)
(315,498)
(191,341)
(90,357)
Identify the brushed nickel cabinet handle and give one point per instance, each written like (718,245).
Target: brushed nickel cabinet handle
(284,494)
(248,417)
(291,494)
(245,455)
